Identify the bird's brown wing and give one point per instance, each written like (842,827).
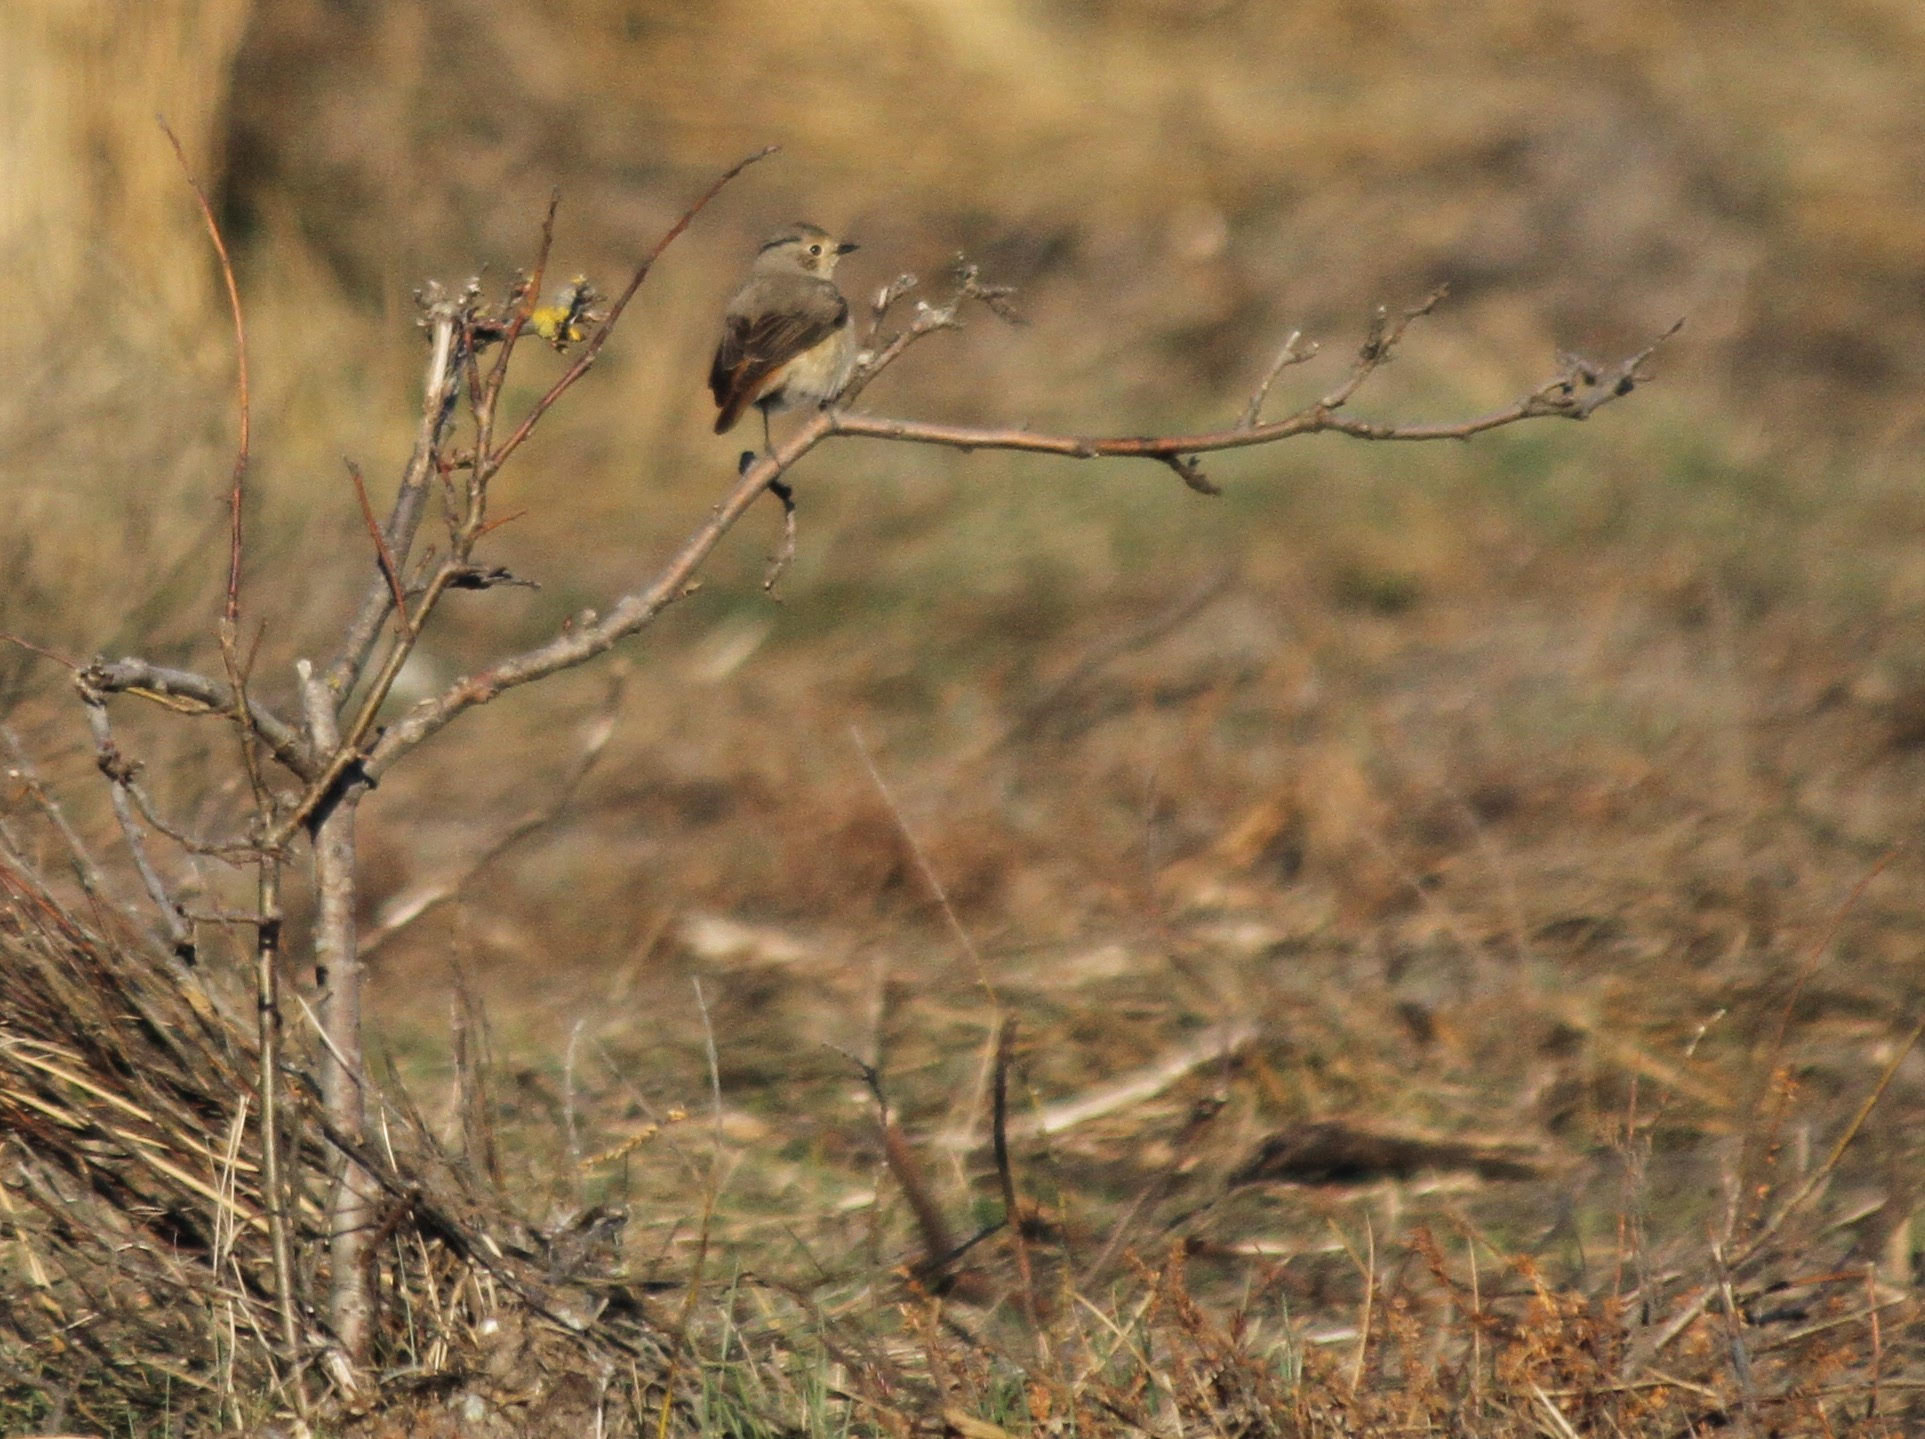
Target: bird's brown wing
(761,333)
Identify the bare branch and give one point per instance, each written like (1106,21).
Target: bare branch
(1382,338)
(929,319)
(1594,387)
(357,641)
(886,298)
(1292,353)
(120,775)
(188,693)
(448,361)
(1575,394)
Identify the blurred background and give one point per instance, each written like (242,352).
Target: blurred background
(1478,776)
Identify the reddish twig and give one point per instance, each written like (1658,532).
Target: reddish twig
(41,650)
(381,551)
(493,525)
(234,541)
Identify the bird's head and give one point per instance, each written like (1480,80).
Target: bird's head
(806,248)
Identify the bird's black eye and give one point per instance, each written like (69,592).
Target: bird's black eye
(815,249)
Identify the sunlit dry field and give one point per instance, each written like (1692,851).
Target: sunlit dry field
(1449,908)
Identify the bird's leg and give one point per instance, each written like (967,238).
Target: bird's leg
(746,460)
(782,490)
(782,558)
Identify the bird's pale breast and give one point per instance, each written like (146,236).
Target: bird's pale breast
(818,373)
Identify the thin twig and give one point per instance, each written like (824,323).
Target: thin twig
(267,1035)
(381,550)
(884,301)
(1380,340)
(929,319)
(86,869)
(231,614)
(41,650)
(485,398)
(939,1247)
(1292,353)
(119,771)
(234,852)
(531,297)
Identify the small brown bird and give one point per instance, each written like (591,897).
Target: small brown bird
(786,336)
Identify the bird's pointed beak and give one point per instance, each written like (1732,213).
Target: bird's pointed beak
(845,247)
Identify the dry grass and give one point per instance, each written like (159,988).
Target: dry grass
(141,1285)
(1549,799)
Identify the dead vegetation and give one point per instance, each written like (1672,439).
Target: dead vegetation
(141,1284)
